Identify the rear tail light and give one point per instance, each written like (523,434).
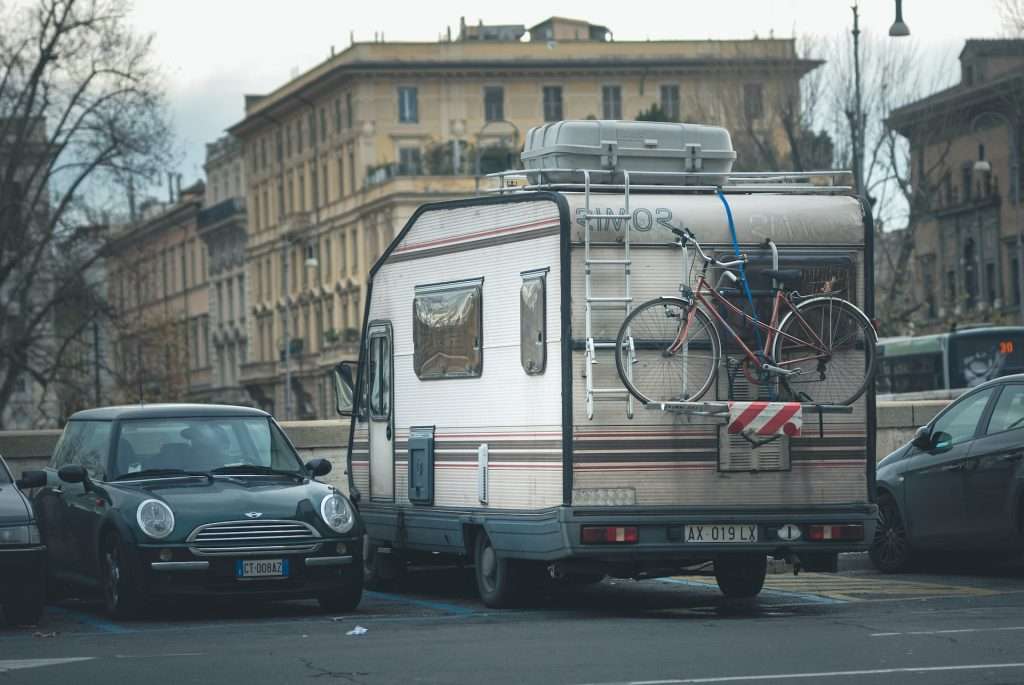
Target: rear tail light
(609,535)
(826,533)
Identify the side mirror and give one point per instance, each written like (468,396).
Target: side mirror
(344,387)
(31,479)
(73,473)
(941,442)
(922,439)
(318,467)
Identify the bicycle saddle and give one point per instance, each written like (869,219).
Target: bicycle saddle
(786,276)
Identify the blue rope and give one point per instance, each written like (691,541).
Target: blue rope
(743,272)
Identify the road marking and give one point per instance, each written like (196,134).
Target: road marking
(445,607)
(86,619)
(17,664)
(806,596)
(951,631)
(821,674)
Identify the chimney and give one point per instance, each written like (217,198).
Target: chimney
(170,188)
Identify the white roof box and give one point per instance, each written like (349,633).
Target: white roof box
(660,153)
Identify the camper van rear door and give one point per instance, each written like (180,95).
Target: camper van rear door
(382,454)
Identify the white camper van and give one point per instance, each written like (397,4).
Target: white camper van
(491,423)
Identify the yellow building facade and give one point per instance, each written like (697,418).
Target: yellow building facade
(339,158)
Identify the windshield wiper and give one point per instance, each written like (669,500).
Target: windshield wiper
(156,473)
(254,468)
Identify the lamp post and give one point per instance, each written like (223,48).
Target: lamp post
(983,166)
(310,263)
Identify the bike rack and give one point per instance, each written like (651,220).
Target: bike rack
(720,410)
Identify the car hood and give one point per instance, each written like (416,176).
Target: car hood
(198,501)
(13,507)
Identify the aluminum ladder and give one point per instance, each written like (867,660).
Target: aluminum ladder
(623,302)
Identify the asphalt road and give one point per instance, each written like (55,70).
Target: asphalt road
(954,626)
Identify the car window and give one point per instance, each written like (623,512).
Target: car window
(86,443)
(60,454)
(1009,410)
(961,420)
(201,444)
(4,475)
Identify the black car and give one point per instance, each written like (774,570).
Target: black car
(158,501)
(959,484)
(22,554)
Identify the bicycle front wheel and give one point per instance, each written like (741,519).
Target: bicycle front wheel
(830,344)
(659,364)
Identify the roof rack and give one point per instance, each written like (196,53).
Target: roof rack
(797,182)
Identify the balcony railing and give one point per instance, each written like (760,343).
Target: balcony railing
(220,211)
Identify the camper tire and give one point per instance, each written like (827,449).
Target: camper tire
(380,571)
(497,578)
(741,575)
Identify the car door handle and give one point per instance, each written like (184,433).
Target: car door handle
(57,491)
(959,466)
(1011,457)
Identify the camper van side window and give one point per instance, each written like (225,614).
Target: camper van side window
(533,332)
(448,330)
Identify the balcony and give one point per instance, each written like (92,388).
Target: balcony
(220,211)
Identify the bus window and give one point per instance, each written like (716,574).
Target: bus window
(911,373)
(974,359)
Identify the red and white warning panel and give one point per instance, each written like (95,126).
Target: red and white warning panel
(766,418)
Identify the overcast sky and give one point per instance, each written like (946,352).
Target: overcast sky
(214,51)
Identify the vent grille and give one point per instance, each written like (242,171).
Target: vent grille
(736,453)
(242,538)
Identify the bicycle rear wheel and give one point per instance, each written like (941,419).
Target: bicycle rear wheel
(646,364)
(838,370)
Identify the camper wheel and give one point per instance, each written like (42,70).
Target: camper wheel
(497,578)
(742,574)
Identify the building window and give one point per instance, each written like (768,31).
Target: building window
(951,286)
(533,322)
(448,330)
(327,257)
(341,177)
(552,103)
(670,101)
(279,145)
(302,192)
(323,124)
(298,136)
(288,140)
(991,284)
(312,128)
(349,110)
(965,181)
(409,162)
(408,107)
(337,115)
(494,103)
(753,100)
(351,170)
(263,153)
(314,185)
(1015,280)
(611,102)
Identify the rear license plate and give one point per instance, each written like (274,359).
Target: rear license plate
(721,532)
(261,568)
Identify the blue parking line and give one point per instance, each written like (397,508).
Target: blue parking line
(99,624)
(437,606)
(806,596)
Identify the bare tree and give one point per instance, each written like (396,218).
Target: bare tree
(82,118)
(1011,13)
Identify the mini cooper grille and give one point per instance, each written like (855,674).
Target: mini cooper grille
(241,538)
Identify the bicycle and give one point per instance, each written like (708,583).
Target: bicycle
(821,352)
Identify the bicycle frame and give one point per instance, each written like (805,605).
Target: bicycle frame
(771,328)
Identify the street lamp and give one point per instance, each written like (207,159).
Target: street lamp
(898,28)
(311,262)
(984,166)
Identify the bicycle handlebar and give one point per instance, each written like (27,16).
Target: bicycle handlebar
(687,236)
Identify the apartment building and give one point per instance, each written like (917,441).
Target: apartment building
(338,158)
(158,279)
(965,146)
(222,226)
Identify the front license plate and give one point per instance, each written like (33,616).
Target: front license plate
(261,568)
(721,532)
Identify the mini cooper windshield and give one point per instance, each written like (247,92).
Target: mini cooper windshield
(202,446)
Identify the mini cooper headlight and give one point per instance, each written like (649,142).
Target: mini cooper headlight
(337,513)
(19,535)
(155,519)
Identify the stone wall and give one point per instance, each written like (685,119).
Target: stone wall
(24,450)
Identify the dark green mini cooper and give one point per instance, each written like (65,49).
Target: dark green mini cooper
(155,501)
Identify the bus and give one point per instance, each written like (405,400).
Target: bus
(943,365)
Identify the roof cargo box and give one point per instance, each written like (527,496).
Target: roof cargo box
(661,150)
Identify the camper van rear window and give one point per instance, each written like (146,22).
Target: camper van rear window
(448,330)
(532,322)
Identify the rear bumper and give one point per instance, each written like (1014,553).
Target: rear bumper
(309,574)
(22,570)
(663,534)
